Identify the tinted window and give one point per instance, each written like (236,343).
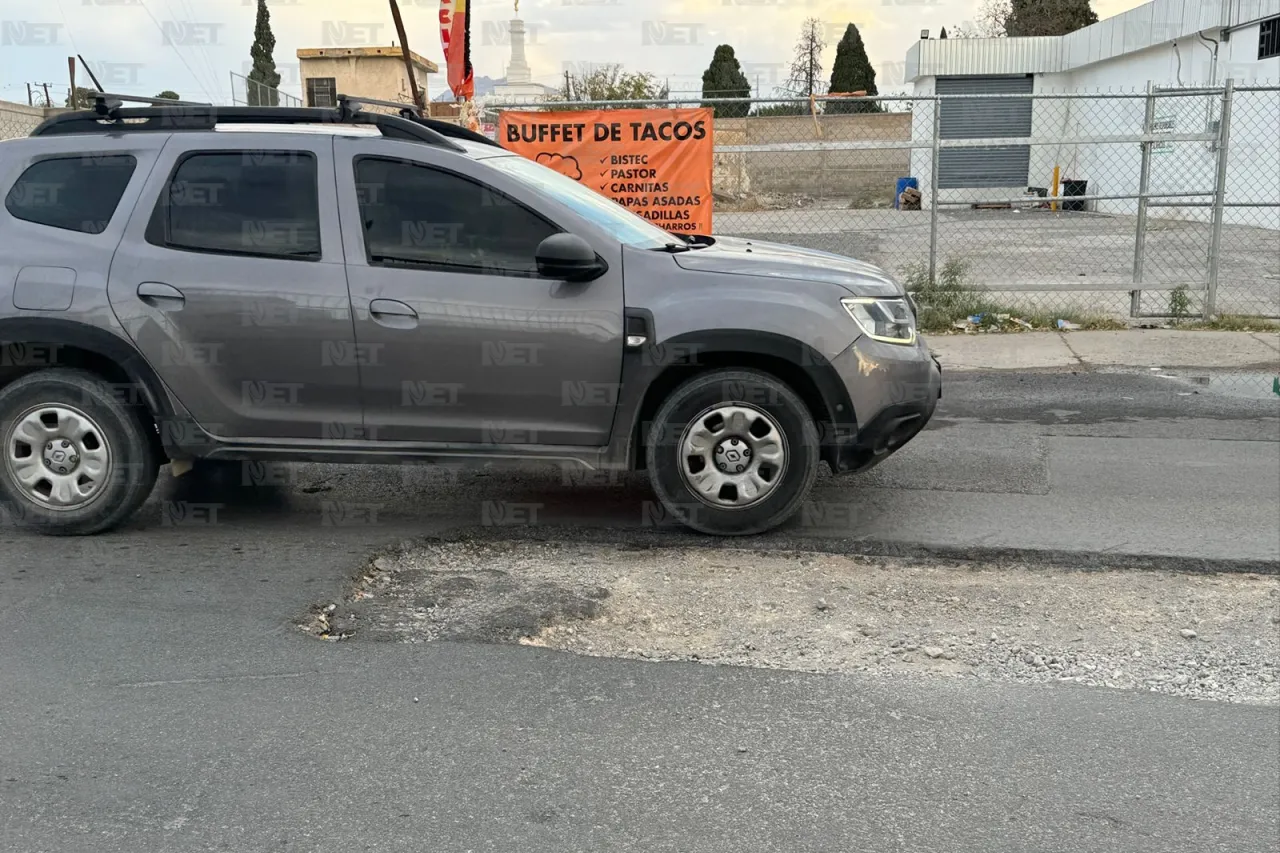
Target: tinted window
(242,202)
(75,193)
(416,214)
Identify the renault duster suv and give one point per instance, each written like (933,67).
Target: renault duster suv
(181,284)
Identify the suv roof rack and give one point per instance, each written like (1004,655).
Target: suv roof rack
(352,103)
(105,102)
(110,116)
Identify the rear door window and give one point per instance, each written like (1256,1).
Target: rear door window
(259,203)
(78,193)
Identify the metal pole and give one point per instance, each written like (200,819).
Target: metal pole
(933,190)
(1144,186)
(419,96)
(1219,201)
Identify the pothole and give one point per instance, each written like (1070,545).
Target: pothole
(1202,636)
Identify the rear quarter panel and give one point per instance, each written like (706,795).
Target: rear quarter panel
(27,244)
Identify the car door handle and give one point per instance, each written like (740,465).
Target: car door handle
(393,314)
(160,294)
(392,308)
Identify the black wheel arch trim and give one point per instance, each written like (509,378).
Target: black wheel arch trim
(69,333)
(642,367)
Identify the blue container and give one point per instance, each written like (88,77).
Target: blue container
(904,183)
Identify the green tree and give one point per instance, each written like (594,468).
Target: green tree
(852,72)
(724,79)
(999,18)
(169,94)
(781,109)
(264,80)
(81,98)
(1048,17)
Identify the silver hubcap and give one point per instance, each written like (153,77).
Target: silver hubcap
(57,456)
(733,456)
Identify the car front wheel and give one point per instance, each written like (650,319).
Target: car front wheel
(732,452)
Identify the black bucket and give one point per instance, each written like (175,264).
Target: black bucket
(1074,188)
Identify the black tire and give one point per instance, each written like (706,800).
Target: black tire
(754,390)
(134,462)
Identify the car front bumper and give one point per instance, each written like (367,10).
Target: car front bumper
(893,391)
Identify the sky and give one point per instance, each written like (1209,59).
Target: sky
(192,46)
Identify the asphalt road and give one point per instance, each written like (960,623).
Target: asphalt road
(154,694)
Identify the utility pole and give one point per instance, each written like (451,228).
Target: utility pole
(568,88)
(419,96)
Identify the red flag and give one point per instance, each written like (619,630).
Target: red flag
(455,39)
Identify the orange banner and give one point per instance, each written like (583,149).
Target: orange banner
(656,162)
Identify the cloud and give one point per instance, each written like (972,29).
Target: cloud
(567,166)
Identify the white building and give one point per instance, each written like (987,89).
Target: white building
(519,86)
(1167,43)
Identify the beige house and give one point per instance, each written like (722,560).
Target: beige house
(372,72)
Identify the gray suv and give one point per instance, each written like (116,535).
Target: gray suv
(180,284)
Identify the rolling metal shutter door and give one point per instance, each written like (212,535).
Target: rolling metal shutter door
(998,166)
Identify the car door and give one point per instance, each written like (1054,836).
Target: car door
(465,343)
(231,282)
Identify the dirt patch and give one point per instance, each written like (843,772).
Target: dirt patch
(1205,636)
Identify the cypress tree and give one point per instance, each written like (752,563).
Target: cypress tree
(724,79)
(852,72)
(264,80)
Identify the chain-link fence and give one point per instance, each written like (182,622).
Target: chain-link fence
(18,120)
(1090,208)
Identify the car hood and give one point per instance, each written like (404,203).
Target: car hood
(740,256)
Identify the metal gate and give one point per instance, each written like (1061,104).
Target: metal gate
(977,118)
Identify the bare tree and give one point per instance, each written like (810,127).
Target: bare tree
(989,23)
(611,83)
(806,68)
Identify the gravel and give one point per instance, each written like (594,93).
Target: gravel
(825,613)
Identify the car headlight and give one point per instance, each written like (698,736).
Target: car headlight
(888,320)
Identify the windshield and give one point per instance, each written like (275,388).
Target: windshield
(625,226)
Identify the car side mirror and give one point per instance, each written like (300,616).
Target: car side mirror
(568,257)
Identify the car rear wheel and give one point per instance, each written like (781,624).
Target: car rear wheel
(74,459)
(732,452)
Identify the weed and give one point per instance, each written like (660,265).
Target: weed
(1235,323)
(1180,303)
(950,299)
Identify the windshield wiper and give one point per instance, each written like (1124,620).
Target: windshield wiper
(672,248)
